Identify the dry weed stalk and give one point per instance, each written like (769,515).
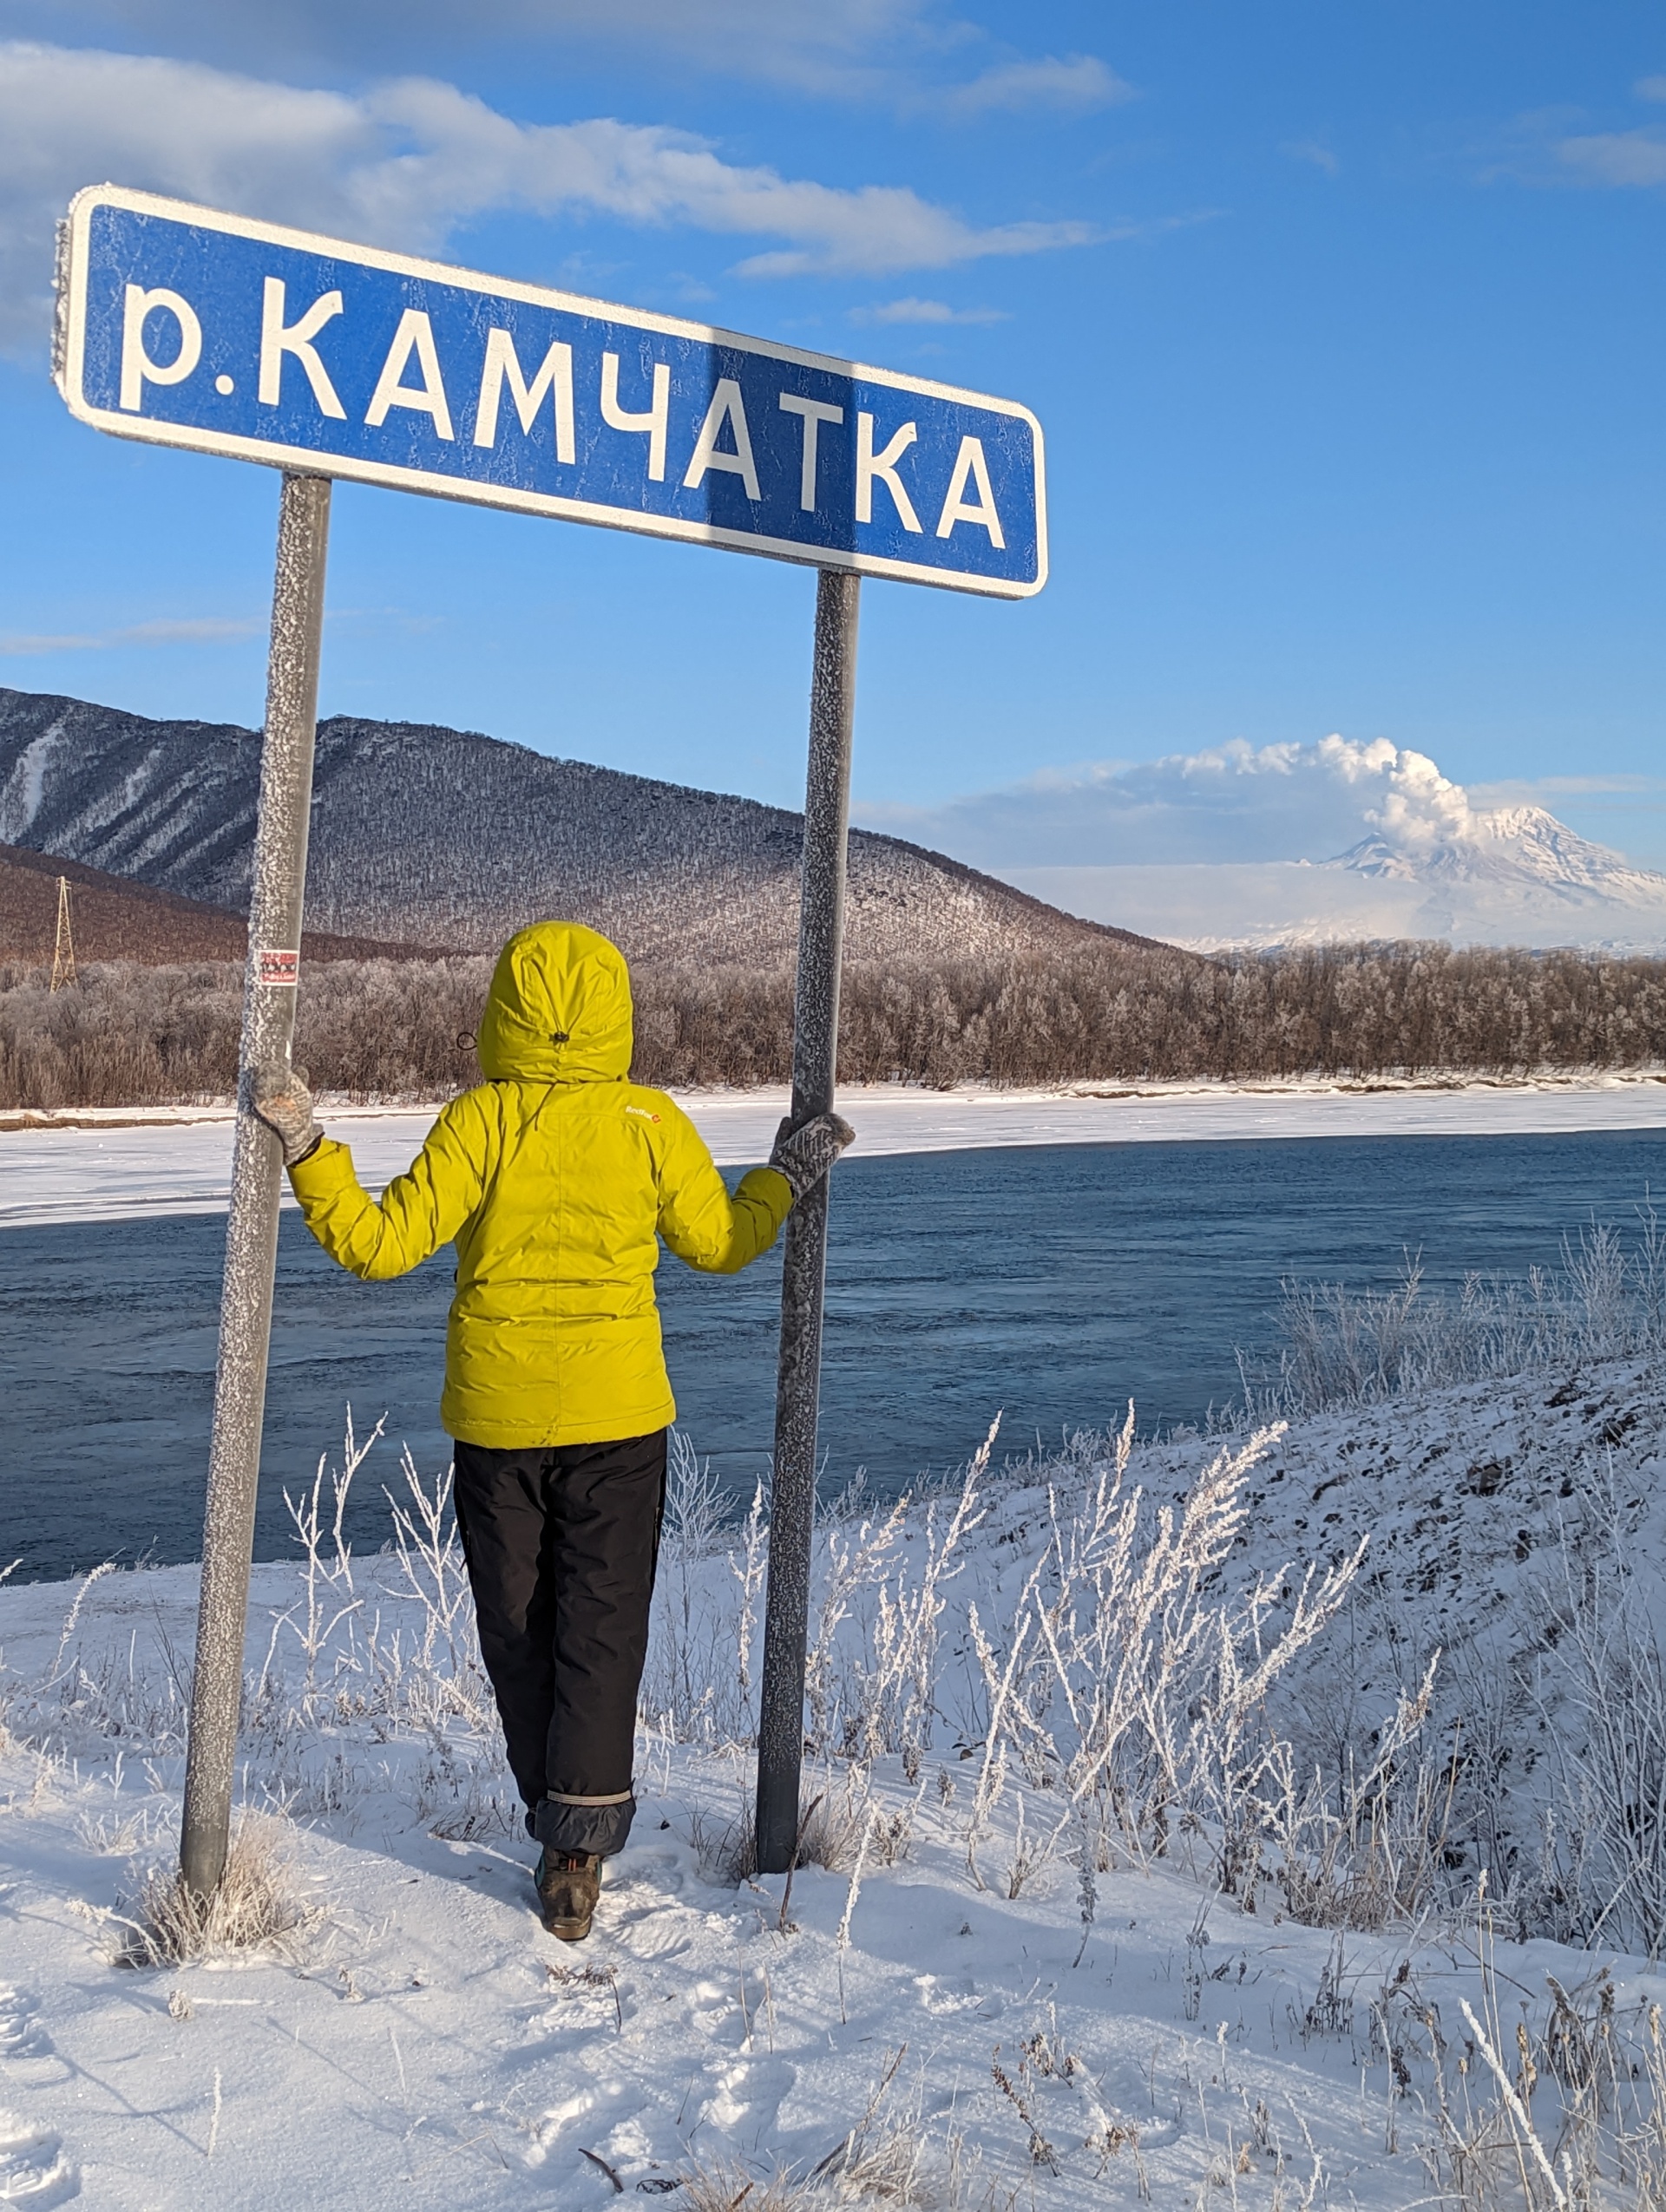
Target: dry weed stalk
(1577,2121)
(588,1980)
(1606,1879)
(726,2186)
(1360,1848)
(328,1596)
(837,1826)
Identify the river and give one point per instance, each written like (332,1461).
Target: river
(1049,1283)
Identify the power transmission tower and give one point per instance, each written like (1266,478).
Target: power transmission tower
(63,949)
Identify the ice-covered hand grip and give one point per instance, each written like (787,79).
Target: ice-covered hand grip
(280,1098)
(804,1154)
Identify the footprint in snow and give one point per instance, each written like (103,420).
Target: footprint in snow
(22,2035)
(653,1863)
(650,1935)
(597,2106)
(947,1994)
(33,2169)
(748,2094)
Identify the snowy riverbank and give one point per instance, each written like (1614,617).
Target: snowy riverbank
(119,1163)
(996,1999)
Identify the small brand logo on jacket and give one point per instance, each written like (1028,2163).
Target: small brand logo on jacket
(642,1113)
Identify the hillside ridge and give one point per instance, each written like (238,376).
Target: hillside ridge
(430,835)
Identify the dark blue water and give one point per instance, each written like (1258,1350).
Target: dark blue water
(1052,1282)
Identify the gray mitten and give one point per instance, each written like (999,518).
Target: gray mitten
(803,1155)
(280,1098)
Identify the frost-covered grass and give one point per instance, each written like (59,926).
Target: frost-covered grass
(1163,1845)
(1605,1300)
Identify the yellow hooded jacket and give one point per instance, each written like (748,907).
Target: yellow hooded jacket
(555,1177)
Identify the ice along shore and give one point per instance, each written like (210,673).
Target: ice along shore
(90,1164)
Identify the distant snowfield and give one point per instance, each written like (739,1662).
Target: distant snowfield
(1215,905)
(119,1164)
(1431,865)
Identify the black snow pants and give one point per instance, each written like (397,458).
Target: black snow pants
(561,1543)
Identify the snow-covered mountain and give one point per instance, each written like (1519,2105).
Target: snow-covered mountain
(435,836)
(1296,843)
(1515,874)
(1505,875)
(1521,848)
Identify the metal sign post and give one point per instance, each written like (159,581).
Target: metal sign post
(257,1176)
(185,326)
(815,1061)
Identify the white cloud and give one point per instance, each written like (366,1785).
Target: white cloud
(190,630)
(847,47)
(926,311)
(1552,790)
(1245,903)
(1615,157)
(1074,85)
(1555,147)
(874,50)
(1234,802)
(1314,151)
(406,163)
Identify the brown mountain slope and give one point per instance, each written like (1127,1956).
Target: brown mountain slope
(114,919)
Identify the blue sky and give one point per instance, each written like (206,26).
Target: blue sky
(1345,325)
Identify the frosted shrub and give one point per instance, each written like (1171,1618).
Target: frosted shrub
(1602,1875)
(1120,1690)
(699,1683)
(104,1695)
(1359,1847)
(1111,1682)
(1113,1686)
(1117,1010)
(893,1685)
(445,1674)
(845,1676)
(1557,2106)
(1341,1347)
(329,1600)
(1049,1667)
(1121,1679)
(403,1649)
(261,1905)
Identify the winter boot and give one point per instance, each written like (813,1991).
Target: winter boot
(568,1885)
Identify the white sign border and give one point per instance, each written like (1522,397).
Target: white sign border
(68,362)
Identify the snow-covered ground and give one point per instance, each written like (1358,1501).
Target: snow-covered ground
(429,2045)
(120,1163)
(1032,2007)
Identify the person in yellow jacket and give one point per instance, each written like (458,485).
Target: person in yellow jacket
(556,1179)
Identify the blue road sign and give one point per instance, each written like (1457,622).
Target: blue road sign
(182,326)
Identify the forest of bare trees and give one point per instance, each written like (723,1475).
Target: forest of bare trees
(131,1035)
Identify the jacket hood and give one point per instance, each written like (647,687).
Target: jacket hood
(559,1009)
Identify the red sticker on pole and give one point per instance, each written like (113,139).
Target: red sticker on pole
(278,968)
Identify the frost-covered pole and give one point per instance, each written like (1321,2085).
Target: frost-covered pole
(815,1055)
(257,1176)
